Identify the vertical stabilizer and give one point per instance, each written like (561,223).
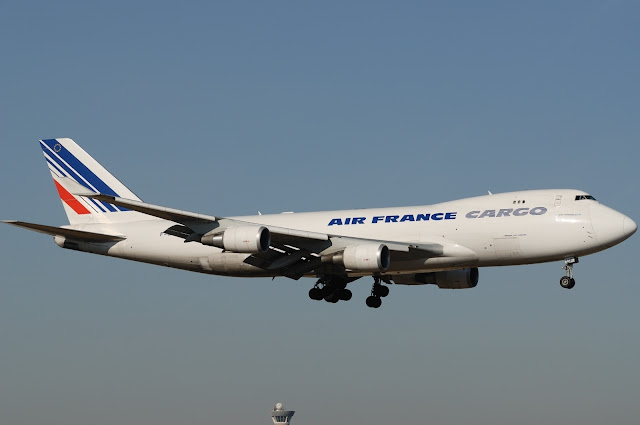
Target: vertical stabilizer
(68,160)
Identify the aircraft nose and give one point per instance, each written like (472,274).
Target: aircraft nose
(611,227)
(629,226)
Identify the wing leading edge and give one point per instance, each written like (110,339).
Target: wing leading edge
(281,235)
(292,252)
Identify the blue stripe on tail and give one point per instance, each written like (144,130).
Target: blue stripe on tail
(82,170)
(63,174)
(72,174)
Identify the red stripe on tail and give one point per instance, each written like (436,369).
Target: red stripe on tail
(70,200)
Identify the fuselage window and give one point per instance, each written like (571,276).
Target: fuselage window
(583,197)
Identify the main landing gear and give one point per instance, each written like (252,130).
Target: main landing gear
(568,281)
(378,291)
(330,290)
(334,289)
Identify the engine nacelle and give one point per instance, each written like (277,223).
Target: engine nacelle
(457,279)
(244,239)
(366,258)
(453,279)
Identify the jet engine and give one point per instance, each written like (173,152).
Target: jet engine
(366,258)
(452,279)
(243,239)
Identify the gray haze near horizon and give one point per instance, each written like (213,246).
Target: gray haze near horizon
(228,108)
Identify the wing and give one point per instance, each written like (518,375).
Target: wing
(292,252)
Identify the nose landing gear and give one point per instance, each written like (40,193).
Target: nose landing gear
(568,281)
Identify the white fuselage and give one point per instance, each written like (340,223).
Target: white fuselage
(493,230)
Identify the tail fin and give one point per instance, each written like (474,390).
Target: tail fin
(66,159)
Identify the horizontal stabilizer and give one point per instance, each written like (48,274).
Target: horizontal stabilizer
(77,235)
(171,214)
(74,187)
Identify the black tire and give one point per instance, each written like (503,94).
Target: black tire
(345,295)
(327,291)
(567,282)
(382,291)
(333,297)
(378,303)
(315,294)
(373,302)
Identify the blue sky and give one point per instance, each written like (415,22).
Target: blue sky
(228,108)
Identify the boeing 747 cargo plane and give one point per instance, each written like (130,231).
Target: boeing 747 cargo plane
(441,244)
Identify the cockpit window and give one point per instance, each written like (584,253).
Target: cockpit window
(582,197)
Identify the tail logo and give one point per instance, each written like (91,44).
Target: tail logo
(63,163)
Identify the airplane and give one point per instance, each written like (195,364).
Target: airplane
(440,244)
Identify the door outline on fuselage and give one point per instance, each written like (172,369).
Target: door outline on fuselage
(558,201)
(507,247)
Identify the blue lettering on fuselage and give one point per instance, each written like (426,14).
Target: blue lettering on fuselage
(397,218)
(507,212)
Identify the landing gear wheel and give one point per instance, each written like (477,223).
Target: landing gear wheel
(378,291)
(326,291)
(382,291)
(345,295)
(332,297)
(373,302)
(315,294)
(567,282)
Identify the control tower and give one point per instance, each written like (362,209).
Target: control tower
(281,416)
